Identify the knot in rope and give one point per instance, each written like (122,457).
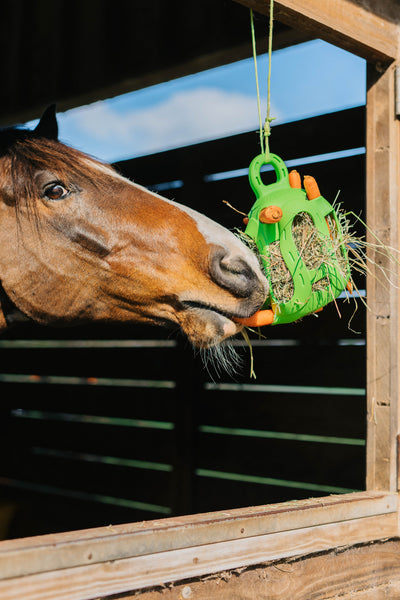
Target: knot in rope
(265,131)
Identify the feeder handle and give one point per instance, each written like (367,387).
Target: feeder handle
(282,175)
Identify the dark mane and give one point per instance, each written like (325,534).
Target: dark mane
(28,153)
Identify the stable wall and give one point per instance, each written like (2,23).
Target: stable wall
(132,426)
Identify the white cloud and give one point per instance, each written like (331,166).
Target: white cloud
(184,118)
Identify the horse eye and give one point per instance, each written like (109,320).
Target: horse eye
(56,191)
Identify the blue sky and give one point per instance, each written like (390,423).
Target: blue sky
(307,79)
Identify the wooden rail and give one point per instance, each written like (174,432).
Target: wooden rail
(113,560)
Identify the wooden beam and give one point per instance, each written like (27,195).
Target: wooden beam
(350,24)
(111,560)
(383,351)
(149,570)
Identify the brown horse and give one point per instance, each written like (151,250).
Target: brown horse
(80,243)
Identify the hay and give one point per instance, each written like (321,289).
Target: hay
(343,248)
(373,258)
(314,251)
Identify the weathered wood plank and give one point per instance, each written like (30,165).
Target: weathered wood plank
(370,572)
(353,25)
(51,552)
(383,352)
(113,577)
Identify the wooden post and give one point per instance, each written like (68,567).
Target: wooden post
(383,352)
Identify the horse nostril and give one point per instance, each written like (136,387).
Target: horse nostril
(233,273)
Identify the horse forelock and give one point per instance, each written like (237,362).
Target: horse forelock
(28,154)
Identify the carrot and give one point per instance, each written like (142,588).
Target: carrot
(295,179)
(259,319)
(270,214)
(311,187)
(329,229)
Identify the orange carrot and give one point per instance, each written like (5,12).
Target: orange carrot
(329,229)
(311,187)
(295,179)
(270,214)
(259,319)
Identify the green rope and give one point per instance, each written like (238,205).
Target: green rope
(267,124)
(265,131)
(253,42)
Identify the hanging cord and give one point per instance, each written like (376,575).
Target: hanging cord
(253,42)
(265,131)
(267,124)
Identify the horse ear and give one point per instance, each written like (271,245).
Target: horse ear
(47,126)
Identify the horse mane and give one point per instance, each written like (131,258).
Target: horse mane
(28,153)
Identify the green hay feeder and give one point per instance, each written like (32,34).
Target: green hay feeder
(300,243)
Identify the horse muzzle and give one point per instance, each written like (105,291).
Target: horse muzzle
(240,275)
(243,290)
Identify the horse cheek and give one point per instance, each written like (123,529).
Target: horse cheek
(36,275)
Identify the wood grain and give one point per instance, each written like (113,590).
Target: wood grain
(383,353)
(353,25)
(370,572)
(51,552)
(114,577)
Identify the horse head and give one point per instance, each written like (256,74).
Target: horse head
(80,243)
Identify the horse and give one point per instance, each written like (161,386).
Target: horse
(80,243)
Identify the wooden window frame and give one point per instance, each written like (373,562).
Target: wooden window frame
(111,560)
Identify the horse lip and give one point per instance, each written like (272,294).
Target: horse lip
(203,306)
(216,324)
